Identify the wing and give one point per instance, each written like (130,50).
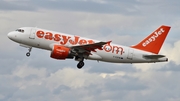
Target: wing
(87,48)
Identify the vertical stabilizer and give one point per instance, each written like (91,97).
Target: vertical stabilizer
(154,41)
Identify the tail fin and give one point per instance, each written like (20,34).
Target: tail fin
(154,41)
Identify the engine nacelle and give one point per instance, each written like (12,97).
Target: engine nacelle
(60,52)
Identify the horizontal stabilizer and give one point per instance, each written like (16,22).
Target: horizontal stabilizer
(153,56)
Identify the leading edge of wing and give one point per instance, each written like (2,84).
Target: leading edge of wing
(91,47)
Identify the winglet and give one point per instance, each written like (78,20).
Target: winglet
(108,42)
(154,41)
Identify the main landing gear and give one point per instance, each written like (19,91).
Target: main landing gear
(80,64)
(28,53)
(81,61)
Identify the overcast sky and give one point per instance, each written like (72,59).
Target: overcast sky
(40,78)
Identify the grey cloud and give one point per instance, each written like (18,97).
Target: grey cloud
(130,7)
(125,86)
(102,67)
(112,87)
(32,93)
(88,6)
(171,67)
(74,5)
(15,5)
(7,87)
(60,89)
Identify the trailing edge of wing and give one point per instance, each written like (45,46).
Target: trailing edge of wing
(153,56)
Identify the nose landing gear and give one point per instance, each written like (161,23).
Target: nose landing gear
(28,53)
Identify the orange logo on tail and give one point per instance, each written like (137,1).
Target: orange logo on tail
(153,37)
(154,41)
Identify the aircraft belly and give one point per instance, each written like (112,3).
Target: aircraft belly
(115,58)
(94,56)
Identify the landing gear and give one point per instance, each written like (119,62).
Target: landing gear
(28,53)
(81,61)
(80,64)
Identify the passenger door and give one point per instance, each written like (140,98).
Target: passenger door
(32,33)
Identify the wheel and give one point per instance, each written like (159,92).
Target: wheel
(27,54)
(80,64)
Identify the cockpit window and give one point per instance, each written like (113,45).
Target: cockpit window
(20,30)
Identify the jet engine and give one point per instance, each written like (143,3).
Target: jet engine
(61,52)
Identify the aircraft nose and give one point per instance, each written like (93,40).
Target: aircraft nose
(10,35)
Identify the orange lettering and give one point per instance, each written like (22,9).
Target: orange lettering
(90,41)
(49,35)
(107,48)
(117,49)
(57,37)
(40,34)
(65,39)
(122,50)
(82,42)
(76,39)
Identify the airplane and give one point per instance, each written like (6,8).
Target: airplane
(65,46)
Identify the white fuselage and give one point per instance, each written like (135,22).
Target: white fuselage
(46,39)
